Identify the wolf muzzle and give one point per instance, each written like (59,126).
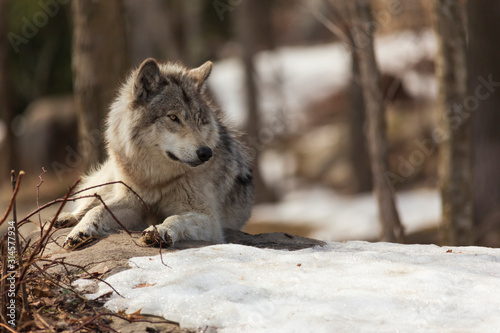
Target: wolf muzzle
(203,154)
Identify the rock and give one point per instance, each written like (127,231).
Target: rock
(275,240)
(110,255)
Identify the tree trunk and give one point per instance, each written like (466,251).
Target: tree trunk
(150,31)
(392,230)
(359,157)
(358,150)
(193,37)
(8,148)
(455,168)
(245,31)
(100,60)
(483,65)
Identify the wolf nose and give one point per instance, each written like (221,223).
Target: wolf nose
(204,153)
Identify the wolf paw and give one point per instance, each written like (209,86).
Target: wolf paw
(65,220)
(79,240)
(151,237)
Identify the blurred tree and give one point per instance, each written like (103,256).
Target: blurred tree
(100,60)
(362,36)
(455,167)
(359,158)
(193,37)
(245,22)
(151,30)
(7,149)
(358,150)
(40,34)
(483,54)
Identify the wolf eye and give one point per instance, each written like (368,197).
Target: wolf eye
(173,117)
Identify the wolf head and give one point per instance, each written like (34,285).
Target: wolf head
(166,114)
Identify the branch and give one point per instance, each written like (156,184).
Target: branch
(164,321)
(13,197)
(117,182)
(42,240)
(334,29)
(38,199)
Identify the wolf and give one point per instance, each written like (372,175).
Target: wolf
(168,141)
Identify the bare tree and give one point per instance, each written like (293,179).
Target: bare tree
(334,18)
(9,156)
(455,166)
(193,37)
(358,150)
(362,36)
(151,32)
(483,54)
(352,24)
(245,26)
(100,59)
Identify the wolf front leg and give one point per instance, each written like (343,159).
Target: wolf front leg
(70,219)
(189,226)
(98,222)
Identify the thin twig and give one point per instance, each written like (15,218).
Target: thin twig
(51,203)
(71,198)
(91,276)
(114,217)
(111,213)
(18,244)
(164,321)
(335,29)
(161,254)
(38,199)
(44,237)
(13,197)
(7,327)
(112,183)
(44,274)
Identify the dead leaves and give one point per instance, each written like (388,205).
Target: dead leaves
(144,285)
(132,316)
(58,308)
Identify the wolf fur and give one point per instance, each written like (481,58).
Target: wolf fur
(167,140)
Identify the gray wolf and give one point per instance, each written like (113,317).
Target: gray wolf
(167,140)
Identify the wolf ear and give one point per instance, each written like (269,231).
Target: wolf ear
(148,80)
(201,73)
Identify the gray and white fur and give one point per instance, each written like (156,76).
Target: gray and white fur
(167,140)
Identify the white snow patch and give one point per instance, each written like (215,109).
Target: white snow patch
(335,217)
(341,287)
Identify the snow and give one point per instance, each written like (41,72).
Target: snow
(340,287)
(291,78)
(334,217)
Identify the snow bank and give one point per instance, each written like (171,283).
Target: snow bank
(335,217)
(342,287)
